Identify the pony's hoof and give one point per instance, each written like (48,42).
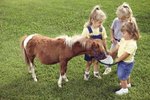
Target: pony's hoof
(35,80)
(66,80)
(59,85)
(30,72)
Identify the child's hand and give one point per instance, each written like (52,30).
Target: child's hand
(113,41)
(117,60)
(109,53)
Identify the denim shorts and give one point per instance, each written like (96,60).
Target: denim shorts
(124,70)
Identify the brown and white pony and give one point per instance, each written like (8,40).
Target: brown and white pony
(58,50)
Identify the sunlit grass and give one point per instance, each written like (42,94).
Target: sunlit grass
(53,18)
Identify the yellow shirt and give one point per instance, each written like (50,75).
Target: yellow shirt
(129,46)
(95,32)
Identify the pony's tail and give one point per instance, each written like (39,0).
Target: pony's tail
(24,51)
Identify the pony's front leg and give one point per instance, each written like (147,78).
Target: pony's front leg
(61,78)
(64,77)
(63,68)
(60,81)
(29,69)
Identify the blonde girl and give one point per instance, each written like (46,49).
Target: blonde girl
(126,50)
(94,29)
(124,14)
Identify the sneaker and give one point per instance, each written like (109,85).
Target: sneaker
(107,71)
(86,77)
(128,85)
(97,75)
(122,91)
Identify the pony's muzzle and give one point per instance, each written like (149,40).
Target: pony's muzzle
(101,56)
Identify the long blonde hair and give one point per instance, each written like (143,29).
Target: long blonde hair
(96,14)
(124,10)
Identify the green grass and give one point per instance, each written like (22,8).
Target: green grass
(53,18)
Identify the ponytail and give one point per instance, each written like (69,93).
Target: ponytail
(93,12)
(124,10)
(96,14)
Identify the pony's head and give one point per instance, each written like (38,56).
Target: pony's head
(96,49)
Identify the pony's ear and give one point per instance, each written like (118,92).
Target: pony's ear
(95,45)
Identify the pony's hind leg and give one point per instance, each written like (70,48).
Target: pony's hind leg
(33,71)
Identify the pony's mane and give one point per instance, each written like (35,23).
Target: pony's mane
(69,41)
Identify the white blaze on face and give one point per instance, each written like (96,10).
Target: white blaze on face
(27,40)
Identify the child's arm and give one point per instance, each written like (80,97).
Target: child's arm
(114,51)
(129,50)
(104,36)
(85,33)
(113,26)
(112,35)
(104,44)
(122,57)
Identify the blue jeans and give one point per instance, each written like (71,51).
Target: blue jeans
(124,70)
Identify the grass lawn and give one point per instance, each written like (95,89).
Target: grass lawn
(53,18)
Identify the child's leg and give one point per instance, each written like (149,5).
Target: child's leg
(123,71)
(128,80)
(87,70)
(96,66)
(88,64)
(88,60)
(107,70)
(96,71)
(123,84)
(124,89)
